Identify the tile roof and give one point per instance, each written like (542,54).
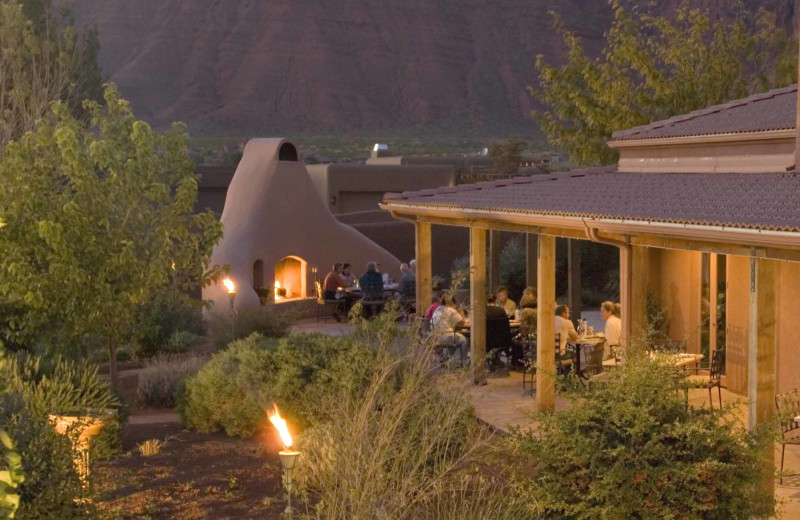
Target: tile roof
(759,201)
(773,110)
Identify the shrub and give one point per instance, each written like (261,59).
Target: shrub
(233,390)
(403,448)
(35,388)
(160,378)
(180,342)
(158,321)
(266,321)
(634,449)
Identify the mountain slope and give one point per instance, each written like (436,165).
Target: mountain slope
(241,67)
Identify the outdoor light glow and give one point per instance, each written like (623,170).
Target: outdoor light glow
(228,283)
(280,424)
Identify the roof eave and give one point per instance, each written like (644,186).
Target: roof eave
(734,137)
(724,234)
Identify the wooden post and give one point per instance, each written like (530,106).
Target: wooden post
(574,277)
(713,293)
(494,260)
(531,259)
(545,324)
(477,296)
(625,293)
(424,269)
(763,333)
(638,291)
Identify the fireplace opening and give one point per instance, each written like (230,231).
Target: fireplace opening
(290,279)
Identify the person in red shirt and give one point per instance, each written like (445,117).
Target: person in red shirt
(333,281)
(437,296)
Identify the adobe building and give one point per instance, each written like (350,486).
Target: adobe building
(279,237)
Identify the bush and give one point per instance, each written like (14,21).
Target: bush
(634,449)
(266,321)
(233,390)
(35,388)
(181,342)
(157,322)
(161,376)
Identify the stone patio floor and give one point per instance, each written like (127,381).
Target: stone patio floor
(502,403)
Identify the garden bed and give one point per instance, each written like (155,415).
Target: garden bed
(195,477)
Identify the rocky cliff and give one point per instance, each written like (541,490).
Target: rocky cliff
(241,67)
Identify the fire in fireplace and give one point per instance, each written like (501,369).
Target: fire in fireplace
(290,279)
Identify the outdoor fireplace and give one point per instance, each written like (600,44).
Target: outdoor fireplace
(290,279)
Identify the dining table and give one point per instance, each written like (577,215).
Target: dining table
(465,324)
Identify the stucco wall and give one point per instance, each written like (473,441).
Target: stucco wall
(747,157)
(675,276)
(788,327)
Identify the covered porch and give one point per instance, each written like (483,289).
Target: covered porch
(668,229)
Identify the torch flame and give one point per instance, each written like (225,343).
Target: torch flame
(280,424)
(228,283)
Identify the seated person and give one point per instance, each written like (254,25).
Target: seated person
(502,301)
(387,280)
(610,312)
(446,319)
(437,297)
(333,281)
(348,278)
(371,284)
(408,282)
(564,327)
(493,310)
(528,312)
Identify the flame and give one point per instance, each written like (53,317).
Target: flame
(277,284)
(228,283)
(280,424)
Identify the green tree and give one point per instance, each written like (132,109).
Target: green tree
(44,59)
(652,68)
(100,220)
(507,156)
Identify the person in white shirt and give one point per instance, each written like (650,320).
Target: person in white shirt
(610,312)
(502,300)
(348,278)
(564,328)
(444,323)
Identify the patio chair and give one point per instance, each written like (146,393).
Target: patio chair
(529,357)
(322,303)
(788,407)
(498,340)
(408,296)
(714,378)
(594,362)
(372,299)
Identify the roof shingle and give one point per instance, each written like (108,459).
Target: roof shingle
(773,110)
(760,201)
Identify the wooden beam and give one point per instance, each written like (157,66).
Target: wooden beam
(477,296)
(531,259)
(574,278)
(638,292)
(510,227)
(494,260)
(545,324)
(762,340)
(769,253)
(422,232)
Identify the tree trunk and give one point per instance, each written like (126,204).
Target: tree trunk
(112,363)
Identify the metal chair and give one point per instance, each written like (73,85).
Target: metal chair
(594,362)
(714,378)
(529,356)
(322,303)
(498,339)
(788,408)
(372,300)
